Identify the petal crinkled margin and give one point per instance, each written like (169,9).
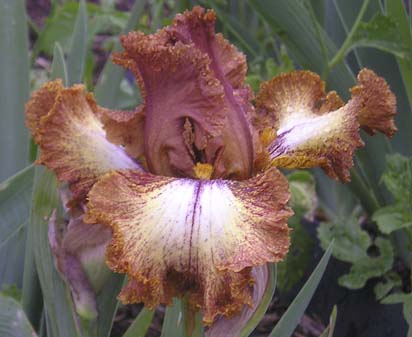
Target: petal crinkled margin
(378,103)
(176,237)
(312,128)
(188,75)
(68,130)
(40,104)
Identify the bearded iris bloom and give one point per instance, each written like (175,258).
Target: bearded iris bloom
(188,182)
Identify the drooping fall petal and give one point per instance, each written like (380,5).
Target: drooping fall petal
(196,237)
(70,134)
(304,127)
(195,111)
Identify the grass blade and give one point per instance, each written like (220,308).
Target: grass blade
(173,322)
(140,324)
(291,317)
(15,198)
(76,58)
(107,90)
(107,304)
(13,321)
(14,87)
(396,8)
(301,37)
(62,319)
(59,69)
(332,323)
(32,299)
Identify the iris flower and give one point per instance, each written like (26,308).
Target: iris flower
(188,182)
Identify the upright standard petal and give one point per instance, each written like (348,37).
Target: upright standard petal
(304,127)
(71,137)
(176,237)
(192,84)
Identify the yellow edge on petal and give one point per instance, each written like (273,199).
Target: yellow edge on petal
(199,238)
(71,137)
(314,128)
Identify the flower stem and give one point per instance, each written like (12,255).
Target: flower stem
(346,44)
(365,194)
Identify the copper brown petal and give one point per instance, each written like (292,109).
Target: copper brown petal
(40,104)
(71,137)
(312,128)
(230,67)
(378,103)
(125,128)
(193,238)
(189,77)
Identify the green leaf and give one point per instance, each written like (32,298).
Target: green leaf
(291,318)
(60,24)
(107,90)
(32,296)
(107,303)
(303,200)
(302,187)
(59,69)
(396,9)
(392,218)
(352,244)
(391,280)
(173,323)
(367,267)
(381,32)
(303,39)
(241,34)
(61,316)
(13,321)
(141,323)
(398,180)
(76,57)
(332,322)
(14,87)
(15,201)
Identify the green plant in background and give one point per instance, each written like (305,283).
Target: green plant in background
(276,36)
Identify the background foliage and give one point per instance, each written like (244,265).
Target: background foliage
(370,219)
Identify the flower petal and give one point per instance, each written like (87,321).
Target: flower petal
(192,113)
(71,137)
(312,128)
(125,128)
(379,103)
(72,271)
(40,104)
(234,326)
(196,237)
